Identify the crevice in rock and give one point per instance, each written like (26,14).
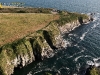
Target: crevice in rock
(27,49)
(0,49)
(1,71)
(80,19)
(36,50)
(48,39)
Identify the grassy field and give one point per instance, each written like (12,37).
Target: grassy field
(14,26)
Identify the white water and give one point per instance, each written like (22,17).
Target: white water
(83,35)
(72,59)
(86,47)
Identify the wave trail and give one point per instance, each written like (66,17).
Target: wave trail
(83,35)
(77,58)
(75,54)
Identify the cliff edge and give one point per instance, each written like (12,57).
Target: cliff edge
(40,44)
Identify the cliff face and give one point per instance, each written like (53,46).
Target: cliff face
(36,46)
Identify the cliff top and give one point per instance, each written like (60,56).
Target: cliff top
(14,25)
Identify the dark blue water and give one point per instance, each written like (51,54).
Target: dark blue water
(84,41)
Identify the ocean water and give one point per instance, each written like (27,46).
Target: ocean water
(73,5)
(84,41)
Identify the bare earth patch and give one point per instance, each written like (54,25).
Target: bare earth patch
(14,26)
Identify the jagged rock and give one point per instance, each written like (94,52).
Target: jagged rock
(92,70)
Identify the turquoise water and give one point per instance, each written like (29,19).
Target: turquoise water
(84,41)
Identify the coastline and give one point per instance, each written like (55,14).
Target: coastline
(36,46)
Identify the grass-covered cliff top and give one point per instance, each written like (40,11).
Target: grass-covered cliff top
(14,25)
(67,17)
(22,32)
(23,21)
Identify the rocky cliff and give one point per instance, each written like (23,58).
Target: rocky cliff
(38,45)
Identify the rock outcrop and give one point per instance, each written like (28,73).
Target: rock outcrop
(92,70)
(36,46)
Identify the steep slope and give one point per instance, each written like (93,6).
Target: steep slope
(40,44)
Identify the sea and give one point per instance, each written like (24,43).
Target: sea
(82,44)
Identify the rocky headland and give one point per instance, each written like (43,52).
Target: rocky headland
(40,44)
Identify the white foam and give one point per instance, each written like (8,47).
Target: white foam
(77,45)
(95,62)
(75,35)
(75,27)
(75,54)
(77,58)
(83,35)
(66,43)
(74,74)
(88,56)
(38,72)
(96,18)
(70,56)
(98,23)
(67,68)
(94,26)
(90,62)
(96,59)
(30,73)
(70,34)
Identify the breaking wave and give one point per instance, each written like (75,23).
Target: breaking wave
(74,57)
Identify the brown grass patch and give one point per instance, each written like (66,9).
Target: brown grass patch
(14,26)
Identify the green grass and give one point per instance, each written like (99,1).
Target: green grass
(14,26)
(66,17)
(12,9)
(9,52)
(94,72)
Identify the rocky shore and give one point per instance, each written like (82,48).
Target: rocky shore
(38,45)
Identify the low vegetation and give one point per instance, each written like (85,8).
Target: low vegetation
(66,17)
(14,26)
(8,9)
(94,71)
